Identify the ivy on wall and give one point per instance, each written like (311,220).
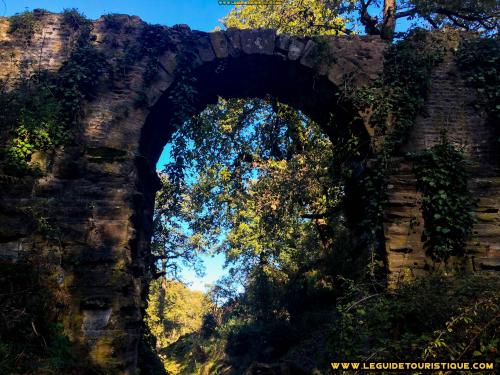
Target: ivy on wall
(478,60)
(446,201)
(24,25)
(44,107)
(394,102)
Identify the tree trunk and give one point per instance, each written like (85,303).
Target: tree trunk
(389,19)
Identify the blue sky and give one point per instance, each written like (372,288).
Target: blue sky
(213,264)
(198,14)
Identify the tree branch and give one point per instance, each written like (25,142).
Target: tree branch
(370,23)
(406,13)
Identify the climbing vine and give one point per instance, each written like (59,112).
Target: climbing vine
(154,41)
(24,25)
(44,107)
(322,55)
(446,202)
(394,102)
(478,60)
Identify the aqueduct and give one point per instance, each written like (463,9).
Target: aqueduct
(100,190)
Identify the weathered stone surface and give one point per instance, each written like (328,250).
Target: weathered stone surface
(203,47)
(94,321)
(234,39)
(257,41)
(282,42)
(219,44)
(295,49)
(450,107)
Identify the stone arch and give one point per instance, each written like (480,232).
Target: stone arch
(253,63)
(244,63)
(105,181)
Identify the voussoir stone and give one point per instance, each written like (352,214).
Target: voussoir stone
(219,44)
(259,41)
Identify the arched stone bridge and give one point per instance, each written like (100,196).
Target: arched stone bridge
(100,190)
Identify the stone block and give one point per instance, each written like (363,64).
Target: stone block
(10,252)
(234,41)
(282,43)
(94,321)
(295,49)
(108,233)
(259,41)
(219,44)
(157,88)
(204,47)
(168,61)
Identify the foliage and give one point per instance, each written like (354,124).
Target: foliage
(403,87)
(172,244)
(24,25)
(478,15)
(173,311)
(113,22)
(393,326)
(79,77)
(35,121)
(44,107)
(446,201)
(396,326)
(309,17)
(259,139)
(393,103)
(382,19)
(184,93)
(154,40)
(262,195)
(75,20)
(470,333)
(193,355)
(478,60)
(29,338)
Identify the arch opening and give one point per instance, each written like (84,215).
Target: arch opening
(253,76)
(287,82)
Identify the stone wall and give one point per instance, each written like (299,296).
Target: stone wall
(450,106)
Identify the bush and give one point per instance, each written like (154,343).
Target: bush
(30,339)
(409,323)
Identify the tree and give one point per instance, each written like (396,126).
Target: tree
(295,17)
(173,311)
(172,245)
(476,15)
(332,17)
(261,180)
